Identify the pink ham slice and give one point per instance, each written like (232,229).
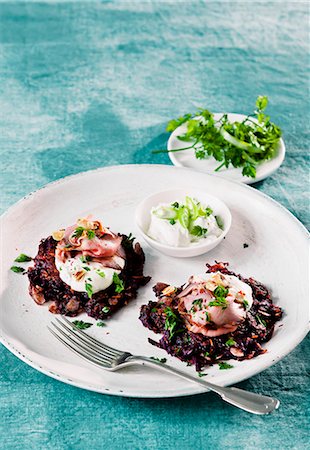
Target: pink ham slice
(101,247)
(223,320)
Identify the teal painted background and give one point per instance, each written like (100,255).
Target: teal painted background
(85,85)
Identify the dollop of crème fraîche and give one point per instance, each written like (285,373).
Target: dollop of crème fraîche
(88,256)
(214,304)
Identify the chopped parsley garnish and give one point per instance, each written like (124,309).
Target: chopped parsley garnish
(89,289)
(198,231)
(245,303)
(119,284)
(172,221)
(105,310)
(173,322)
(18,269)
(86,268)
(78,232)
(230,342)
(101,324)
(100,273)
(261,321)
(206,354)
(197,302)
(161,360)
(224,366)
(201,374)
(220,291)
(85,259)
(82,325)
(208,317)
(220,294)
(208,212)
(154,310)
(90,234)
(22,258)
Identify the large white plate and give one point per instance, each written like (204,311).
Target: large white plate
(277,256)
(186,158)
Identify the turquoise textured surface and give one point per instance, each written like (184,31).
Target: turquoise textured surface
(84,85)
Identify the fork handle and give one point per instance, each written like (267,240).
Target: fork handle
(248,401)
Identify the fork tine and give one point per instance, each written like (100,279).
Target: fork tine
(81,339)
(75,350)
(88,338)
(107,359)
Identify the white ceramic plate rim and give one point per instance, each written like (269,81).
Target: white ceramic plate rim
(277,160)
(296,339)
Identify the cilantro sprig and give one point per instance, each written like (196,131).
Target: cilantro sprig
(173,322)
(81,325)
(239,144)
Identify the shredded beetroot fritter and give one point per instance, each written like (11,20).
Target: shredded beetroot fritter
(46,285)
(201,351)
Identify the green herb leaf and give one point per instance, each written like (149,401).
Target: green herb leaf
(86,268)
(89,289)
(261,321)
(82,325)
(101,324)
(100,273)
(198,231)
(23,258)
(105,310)
(201,374)
(119,284)
(161,360)
(230,342)
(18,269)
(90,234)
(224,366)
(172,221)
(173,322)
(220,291)
(78,232)
(85,259)
(206,354)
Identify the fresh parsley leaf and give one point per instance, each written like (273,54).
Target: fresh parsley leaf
(78,232)
(172,221)
(105,309)
(90,234)
(222,302)
(23,258)
(208,212)
(161,360)
(230,342)
(220,291)
(197,302)
(82,325)
(201,374)
(119,284)
(198,231)
(173,322)
(208,317)
(89,289)
(224,366)
(85,259)
(261,321)
(100,273)
(101,324)
(245,303)
(18,269)
(206,354)
(86,268)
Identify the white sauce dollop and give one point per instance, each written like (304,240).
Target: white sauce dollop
(94,273)
(176,235)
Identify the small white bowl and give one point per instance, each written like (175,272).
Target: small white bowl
(143,218)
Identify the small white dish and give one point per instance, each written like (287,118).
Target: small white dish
(186,158)
(143,218)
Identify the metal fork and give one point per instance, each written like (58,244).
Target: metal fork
(111,359)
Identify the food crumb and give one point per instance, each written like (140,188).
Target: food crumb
(245,245)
